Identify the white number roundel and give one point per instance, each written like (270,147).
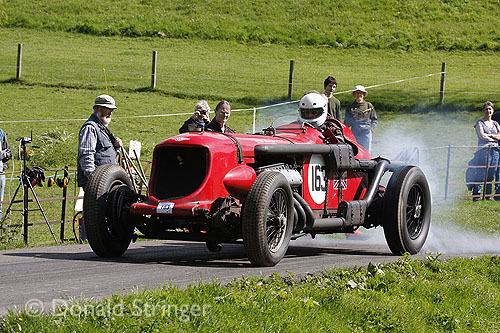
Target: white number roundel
(316,178)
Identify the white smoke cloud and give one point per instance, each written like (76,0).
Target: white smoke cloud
(450,239)
(445,239)
(388,141)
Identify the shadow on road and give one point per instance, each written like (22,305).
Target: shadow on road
(193,254)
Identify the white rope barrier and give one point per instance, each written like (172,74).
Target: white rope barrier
(394,82)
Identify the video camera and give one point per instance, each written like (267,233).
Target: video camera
(24,140)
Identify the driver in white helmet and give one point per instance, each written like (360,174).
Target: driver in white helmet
(313,110)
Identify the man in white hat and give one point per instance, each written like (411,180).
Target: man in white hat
(96,144)
(361,117)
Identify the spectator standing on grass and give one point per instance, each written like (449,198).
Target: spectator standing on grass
(334,107)
(488,154)
(199,119)
(5,155)
(361,117)
(96,144)
(218,123)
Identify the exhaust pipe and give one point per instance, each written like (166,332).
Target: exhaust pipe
(352,212)
(307,210)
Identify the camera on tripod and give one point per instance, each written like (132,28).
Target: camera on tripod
(24,140)
(28,179)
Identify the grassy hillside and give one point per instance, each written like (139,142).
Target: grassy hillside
(375,24)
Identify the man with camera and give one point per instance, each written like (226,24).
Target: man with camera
(199,118)
(5,155)
(96,144)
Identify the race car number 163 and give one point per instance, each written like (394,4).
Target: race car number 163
(316,177)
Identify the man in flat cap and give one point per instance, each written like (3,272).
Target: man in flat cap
(96,144)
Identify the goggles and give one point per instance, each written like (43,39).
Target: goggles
(311,113)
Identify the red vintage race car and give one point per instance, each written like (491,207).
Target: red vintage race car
(260,189)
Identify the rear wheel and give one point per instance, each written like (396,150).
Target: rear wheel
(107,226)
(407,210)
(267,219)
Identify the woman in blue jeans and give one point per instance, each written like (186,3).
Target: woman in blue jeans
(488,135)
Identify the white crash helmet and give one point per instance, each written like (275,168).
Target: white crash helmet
(313,109)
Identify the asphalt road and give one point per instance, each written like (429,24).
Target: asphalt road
(62,272)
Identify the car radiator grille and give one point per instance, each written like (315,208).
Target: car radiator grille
(179,171)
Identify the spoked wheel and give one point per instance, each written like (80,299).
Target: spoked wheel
(267,220)
(407,210)
(414,216)
(108,227)
(277,221)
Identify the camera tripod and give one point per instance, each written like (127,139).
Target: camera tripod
(26,184)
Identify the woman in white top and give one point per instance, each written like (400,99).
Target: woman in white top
(488,135)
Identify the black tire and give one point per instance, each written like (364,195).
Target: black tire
(407,210)
(108,231)
(214,246)
(267,219)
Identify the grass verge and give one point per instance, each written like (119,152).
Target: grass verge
(407,295)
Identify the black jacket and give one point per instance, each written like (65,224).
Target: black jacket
(214,126)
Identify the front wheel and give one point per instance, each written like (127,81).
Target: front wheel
(407,210)
(267,220)
(107,226)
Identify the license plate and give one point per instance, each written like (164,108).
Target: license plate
(165,207)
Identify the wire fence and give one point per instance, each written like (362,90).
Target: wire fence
(131,70)
(445,168)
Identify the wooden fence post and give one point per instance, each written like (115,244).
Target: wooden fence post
(19,61)
(290,80)
(441,87)
(153,70)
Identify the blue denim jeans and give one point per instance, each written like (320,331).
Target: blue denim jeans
(492,159)
(363,134)
(497,181)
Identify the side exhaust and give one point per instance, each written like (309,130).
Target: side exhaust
(352,213)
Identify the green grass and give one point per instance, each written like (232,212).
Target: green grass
(408,295)
(246,75)
(384,24)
